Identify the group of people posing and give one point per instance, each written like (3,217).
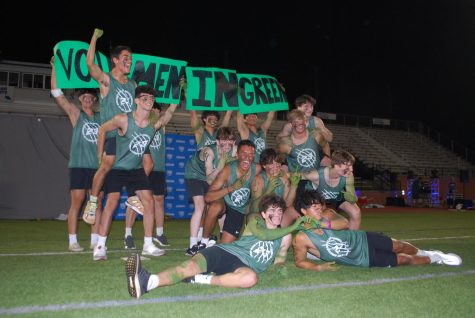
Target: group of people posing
(232,179)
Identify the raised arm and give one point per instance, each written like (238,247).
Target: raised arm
(241,126)
(196,125)
(266,124)
(166,117)
(227,118)
(94,69)
(69,108)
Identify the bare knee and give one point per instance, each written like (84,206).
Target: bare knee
(248,280)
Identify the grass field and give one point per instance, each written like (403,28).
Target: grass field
(40,278)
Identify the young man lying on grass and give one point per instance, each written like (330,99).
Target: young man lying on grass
(354,247)
(234,264)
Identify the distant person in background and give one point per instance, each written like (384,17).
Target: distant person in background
(452,188)
(116,96)
(205,129)
(247,127)
(357,248)
(416,190)
(306,103)
(83,161)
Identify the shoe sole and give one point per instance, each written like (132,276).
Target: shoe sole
(131,269)
(133,208)
(155,255)
(452,259)
(99,258)
(160,243)
(76,250)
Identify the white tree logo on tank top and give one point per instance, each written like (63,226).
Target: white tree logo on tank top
(240,197)
(124,100)
(260,144)
(89,131)
(262,251)
(156,141)
(337,247)
(306,157)
(138,144)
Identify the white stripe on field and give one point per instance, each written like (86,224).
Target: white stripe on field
(249,292)
(438,238)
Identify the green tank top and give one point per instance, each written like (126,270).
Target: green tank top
(131,147)
(256,254)
(239,199)
(279,190)
(331,194)
(83,152)
(195,167)
(207,139)
(259,140)
(311,123)
(344,247)
(304,157)
(120,99)
(157,150)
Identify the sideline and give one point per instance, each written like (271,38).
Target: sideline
(188,298)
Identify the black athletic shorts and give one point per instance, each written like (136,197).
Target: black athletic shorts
(158,183)
(196,187)
(380,249)
(109,146)
(133,180)
(233,222)
(81,178)
(219,261)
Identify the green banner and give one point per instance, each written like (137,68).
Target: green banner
(211,89)
(161,73)
(221,89)
(260,93)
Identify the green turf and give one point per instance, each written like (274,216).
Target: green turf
(75,281)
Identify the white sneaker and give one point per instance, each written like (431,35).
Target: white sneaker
(75,247)
(135,203)
(152,250)
(439,257)
(99,253)
(312,257)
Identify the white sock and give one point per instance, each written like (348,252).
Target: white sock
(153,282)
(193,241)
(72,239)
(203,279)
(94,238)
(128,231)
(159,231)
(200,234)
(205,240)
(102,241)
(147,240)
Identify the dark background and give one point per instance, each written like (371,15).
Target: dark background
(411,60)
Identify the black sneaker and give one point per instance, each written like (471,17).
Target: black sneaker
(191,251)
(190,280)
(162,240)
(137,277)
(129,243)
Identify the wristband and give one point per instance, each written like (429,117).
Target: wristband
(329,224)
(56,92)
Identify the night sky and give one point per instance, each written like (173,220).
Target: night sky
(410,60)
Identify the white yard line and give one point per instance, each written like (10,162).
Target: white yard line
(207,297)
